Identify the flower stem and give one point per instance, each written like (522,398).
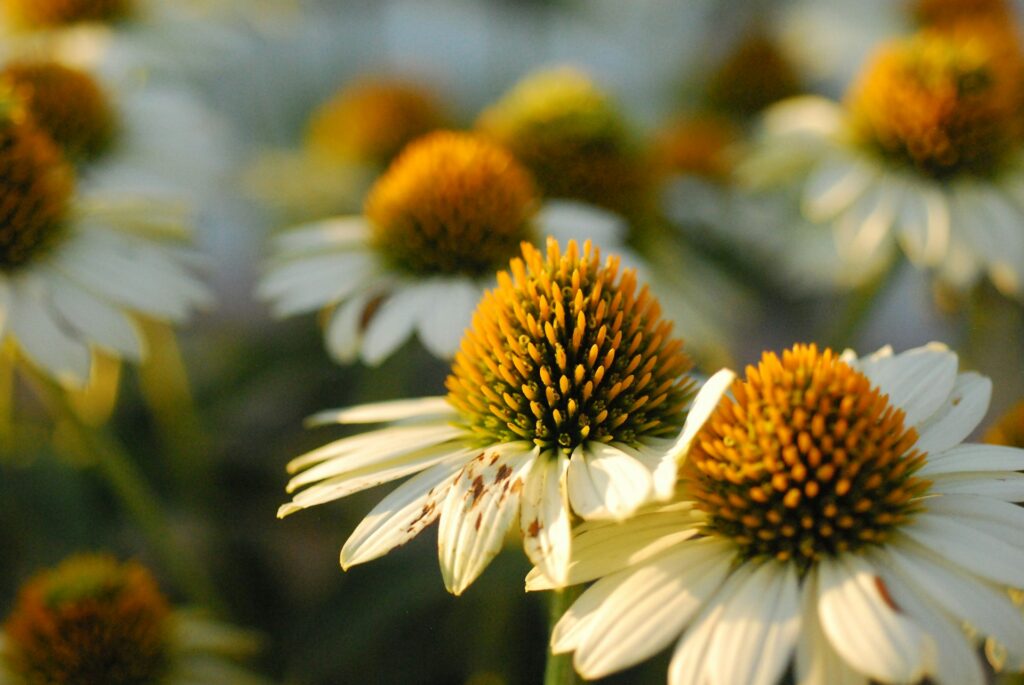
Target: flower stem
(559,669)
(112,460)
(860,304)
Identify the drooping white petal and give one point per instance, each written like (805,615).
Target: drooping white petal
(580,618)
(304,285)
(924,224)
(833,186)
(43,340)
(758,630)
(315,238)
(704,404)
(384,412)
(480,507)
(403,514)
(968,547)
(654,454)
(367,449)
(443,322)
(345,330)
(999,519)
(650,605)
(816,661)
(100,323)
(956,660)
(974,457)
(690,663)
(917,381)
(862,231)
(351,481)
(605,482)
(600,548)
(864,627)
(958,416)
(989,611)
(392,324)
(545,518)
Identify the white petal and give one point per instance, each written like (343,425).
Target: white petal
(101,323)
(345,330)
(569,220)
(304,285)
(960,595)
(758,630)
(968,547)
(704,404)
(402,515)
(924,224)
(833,186)
(545,519)
(864,628)
(354,480)
(326,235)
(816,661)
(382,412)
(956,660)
(481,505)
(392,324)
(1000,519)
(959,415)
(650,606)
(43,340)
(604,482)
(862,231)
(690,664)
(917,381)
(1005,486)
(579,619)
(600,548)
(367,449)
(445,319)
(974,457)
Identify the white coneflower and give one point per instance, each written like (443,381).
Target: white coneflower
(829,520)
(563,402)
(93,619)
(77,269)
(924,153)
(449,212)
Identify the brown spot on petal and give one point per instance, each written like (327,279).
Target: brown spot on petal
(534,529)
(883,590)
(503,473)
(478,488)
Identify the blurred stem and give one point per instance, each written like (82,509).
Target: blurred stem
(559,669)
(163,379)
(112,460)
(859,306)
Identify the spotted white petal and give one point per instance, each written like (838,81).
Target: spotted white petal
(545,519)
(480,507)
(403,514)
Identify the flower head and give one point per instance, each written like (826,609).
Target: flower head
(829,521)
(699,146)
(568,350)
(565,400)
(451,203)
(941,105)
(36,185)
(573,138)
(67,103)
(90,620)
(372,120)
(56,13)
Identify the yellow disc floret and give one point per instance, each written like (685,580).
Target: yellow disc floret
(756,74)
(35,191)
(54,13)
(567,349)
(806,460)
(574,140)
(371,121)
(66,103)
(451,203)
(89,621)
(939,103)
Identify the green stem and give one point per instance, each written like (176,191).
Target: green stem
(126,480)
(859,307)
(559,669)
